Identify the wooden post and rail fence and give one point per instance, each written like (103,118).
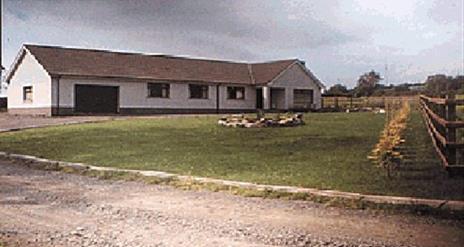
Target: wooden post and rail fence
(442,124)
(350,102)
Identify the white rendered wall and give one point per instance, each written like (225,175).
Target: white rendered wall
(249,102)
(134,94)
(29,73)
(296,78)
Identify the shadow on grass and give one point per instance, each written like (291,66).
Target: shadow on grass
(422,172)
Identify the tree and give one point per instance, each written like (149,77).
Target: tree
(337,90)
(440,84)
(367,83)
(459,80)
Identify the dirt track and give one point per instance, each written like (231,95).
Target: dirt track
(43,208)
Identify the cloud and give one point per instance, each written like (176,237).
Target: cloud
(352,36)
(248,23)
(447,11)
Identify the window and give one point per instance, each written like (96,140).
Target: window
(235,92)
(198,91)
(302,98)
(158,90)
(27,94)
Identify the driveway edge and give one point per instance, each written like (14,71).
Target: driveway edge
(445,205)
(40,126)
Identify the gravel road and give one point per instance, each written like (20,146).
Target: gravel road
(47,208)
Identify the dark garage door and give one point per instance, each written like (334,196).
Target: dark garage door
(96,99)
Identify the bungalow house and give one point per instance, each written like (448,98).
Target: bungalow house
(50,80)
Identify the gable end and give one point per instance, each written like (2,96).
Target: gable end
(17,62)
(293,76)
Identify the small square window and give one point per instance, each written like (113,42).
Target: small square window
(158,90)
(235,92)
(27,94)
(198,91)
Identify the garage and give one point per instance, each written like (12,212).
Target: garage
(303,98)
(96,99)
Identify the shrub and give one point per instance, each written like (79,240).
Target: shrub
(385,152)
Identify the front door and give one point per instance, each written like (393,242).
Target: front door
(259,98)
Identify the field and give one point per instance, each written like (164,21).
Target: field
(347,102)
(329,152)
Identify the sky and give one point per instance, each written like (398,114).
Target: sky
(404,40)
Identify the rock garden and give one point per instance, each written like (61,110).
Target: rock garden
(260,121)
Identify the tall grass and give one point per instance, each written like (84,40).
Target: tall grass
(385,153)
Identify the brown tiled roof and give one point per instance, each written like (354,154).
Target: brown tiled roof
(100,63)
(266,72)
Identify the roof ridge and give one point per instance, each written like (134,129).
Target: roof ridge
(187,57)
(250,73)
(276,61)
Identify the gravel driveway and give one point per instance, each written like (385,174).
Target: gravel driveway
(46,208)
(15,122)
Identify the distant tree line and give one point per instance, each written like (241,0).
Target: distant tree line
(369,84)
(439,85)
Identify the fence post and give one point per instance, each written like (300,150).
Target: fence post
(451,131)
(351,101)
(336,102)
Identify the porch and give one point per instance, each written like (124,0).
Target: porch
(276,98)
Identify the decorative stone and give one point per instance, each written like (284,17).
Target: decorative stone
(239,120)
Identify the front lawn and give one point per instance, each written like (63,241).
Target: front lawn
(329,152)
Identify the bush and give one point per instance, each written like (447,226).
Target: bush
(385,152)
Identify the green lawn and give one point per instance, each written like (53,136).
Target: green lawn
(329,152)
(421,173)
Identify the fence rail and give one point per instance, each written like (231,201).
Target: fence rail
(442,124)
(350,102)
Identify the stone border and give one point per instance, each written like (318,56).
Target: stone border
(332,194)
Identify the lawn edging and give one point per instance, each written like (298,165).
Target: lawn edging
(331,197)
(40,126)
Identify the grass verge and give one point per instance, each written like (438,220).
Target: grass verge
(329,152)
